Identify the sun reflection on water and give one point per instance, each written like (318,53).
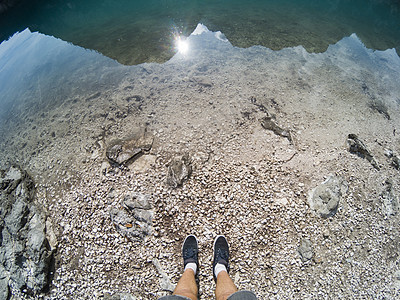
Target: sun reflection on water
(181,45)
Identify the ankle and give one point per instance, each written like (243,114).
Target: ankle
(218,269)
(191,266)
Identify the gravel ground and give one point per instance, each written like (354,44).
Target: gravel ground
(247,182)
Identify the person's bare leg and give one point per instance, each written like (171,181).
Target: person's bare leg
(225,286)
(187,285)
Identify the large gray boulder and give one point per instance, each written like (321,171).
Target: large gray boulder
(134,217)
(25,253)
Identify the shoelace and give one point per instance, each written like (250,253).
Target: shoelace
(190,252)
(222,254)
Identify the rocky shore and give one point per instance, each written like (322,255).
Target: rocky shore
(290,155)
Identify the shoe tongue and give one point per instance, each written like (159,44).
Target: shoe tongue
(223,262)
(190,260)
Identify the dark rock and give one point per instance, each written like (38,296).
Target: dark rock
(305,250)
(179,170)
(25,253)
(356,146)
(125,151)
(324,199)
(268,124)
(134,218)
(395,160)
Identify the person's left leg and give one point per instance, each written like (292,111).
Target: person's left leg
(187,284)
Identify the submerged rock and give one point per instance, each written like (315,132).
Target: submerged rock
(324,199)
(126,150)
(268,124)
(134,218)
(25,252)
(356,146)
(179,170)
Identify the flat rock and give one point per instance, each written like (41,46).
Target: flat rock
(324,199)
(135,200)
(165,282)
(124,151)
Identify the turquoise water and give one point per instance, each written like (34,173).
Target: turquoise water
(133,32)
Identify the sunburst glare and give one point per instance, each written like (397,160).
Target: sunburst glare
(181,45)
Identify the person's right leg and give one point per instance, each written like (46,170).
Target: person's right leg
(225,286)
(187,284)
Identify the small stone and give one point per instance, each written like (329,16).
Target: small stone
(388,153)
(305,250)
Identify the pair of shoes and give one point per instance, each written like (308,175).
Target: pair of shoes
(190,251)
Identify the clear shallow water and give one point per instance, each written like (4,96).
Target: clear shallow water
(39,72)
(133,32)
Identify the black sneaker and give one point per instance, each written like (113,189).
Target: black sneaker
(190,251)
(221,253)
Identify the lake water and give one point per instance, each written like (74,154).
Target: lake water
(140,31)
